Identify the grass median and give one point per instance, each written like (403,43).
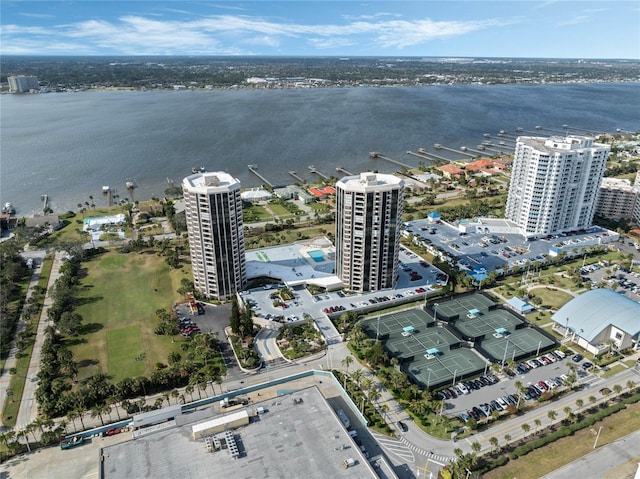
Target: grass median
(563,451)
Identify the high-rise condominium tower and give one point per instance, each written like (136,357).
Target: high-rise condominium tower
(214,222)
(369,213)
(554,184)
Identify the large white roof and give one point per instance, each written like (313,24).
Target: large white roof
(593,311)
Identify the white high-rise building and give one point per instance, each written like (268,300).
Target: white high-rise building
(23,83)
(554,184)
(216,238)
(368,219)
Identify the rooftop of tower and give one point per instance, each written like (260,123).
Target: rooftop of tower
(369,181)
(559,143)
(211,180)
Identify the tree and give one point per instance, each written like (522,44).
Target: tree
(617,389)
(494,443)
(630,385)
(552,415)
(507,438)
(476,447)
(592,400)
(579,403)
(346,362)
(538,423)
(525,429)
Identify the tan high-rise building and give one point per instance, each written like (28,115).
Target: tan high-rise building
(213,210)
(368,220)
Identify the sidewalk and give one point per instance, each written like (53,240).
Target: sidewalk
(29,406)
(5,377)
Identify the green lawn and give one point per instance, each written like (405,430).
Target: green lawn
(280,211)
(119,297)
(124,349)
(551,297)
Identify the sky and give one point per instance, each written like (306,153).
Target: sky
(588,29)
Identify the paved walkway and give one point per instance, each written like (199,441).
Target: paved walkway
(5,376)
(29,406)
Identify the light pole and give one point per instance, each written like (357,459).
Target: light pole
(454,377)
(538,350)
(378,329)
(428,378)
(435,311)
(597,437)
(506,345)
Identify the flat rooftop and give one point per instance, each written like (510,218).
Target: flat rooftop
(298,435)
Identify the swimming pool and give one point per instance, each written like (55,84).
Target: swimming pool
(317,255)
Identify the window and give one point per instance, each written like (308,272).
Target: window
(618,335)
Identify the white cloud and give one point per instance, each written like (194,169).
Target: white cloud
(578,19)
(225,34)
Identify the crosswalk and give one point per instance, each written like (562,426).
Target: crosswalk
(395,447)
(437,458)
(404,450)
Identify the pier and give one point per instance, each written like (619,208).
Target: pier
(45,202)
(395,162)
(295,175)
(313,169)
(438,146)
(252,169)
(430,156)
(342,170)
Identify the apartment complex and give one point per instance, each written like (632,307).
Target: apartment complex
(619,199)
(216,239)
(23,83)
(368,220)
(555,183)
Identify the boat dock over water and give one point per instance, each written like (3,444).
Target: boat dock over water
(462,151)
(297,177)
(313,169)
(252,169)
(391,160)
(342,170)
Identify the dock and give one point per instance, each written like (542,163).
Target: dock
(395,162)
(342,170)
(295,175)
(252,169)
(422,153)
(438,146)
(313,169)
(45,202)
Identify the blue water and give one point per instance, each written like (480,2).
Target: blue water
(68,145)
(317,255)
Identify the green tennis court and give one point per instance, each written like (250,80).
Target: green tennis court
(519,344)
(430,355)
(485,324)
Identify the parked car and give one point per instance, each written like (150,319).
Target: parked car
(586,366)
(577,358)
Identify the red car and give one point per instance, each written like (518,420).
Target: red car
(543,385)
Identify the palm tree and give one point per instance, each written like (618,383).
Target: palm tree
(357,376)
(592,400)
(476,447)
(73,415)
(189,390)
(385,409)
(538,423)
(552,415)
(630,385)
(617,389)
(346,362)
(567,410)
(96,411)
(525,429)
(579,403)
(507,438)
(494,443)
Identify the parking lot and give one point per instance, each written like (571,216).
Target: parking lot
(628,282)
(493,244)
(546,373)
